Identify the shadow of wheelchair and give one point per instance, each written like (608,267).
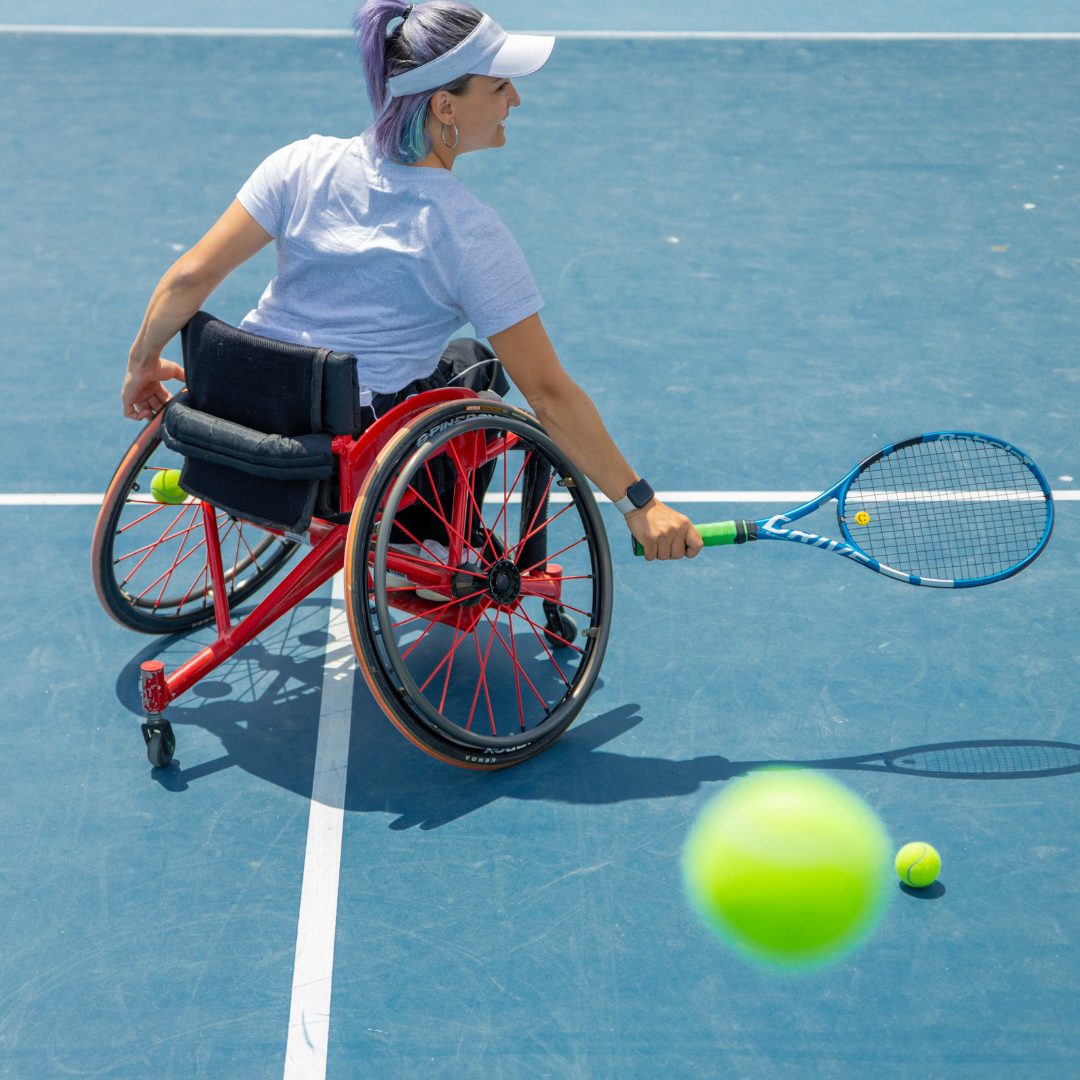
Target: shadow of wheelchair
(263,705)
(264,708)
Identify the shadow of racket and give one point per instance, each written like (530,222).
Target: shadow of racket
(982,759)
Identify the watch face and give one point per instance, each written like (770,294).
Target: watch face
(640,493)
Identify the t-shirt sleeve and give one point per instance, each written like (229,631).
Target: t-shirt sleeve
(496,285)
(268,194)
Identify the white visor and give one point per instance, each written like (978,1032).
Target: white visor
(488,50)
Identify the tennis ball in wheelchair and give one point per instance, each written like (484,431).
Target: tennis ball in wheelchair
(918,865)
(789,867)
(165,487)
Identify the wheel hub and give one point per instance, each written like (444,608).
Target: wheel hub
(467,584)
(504,582)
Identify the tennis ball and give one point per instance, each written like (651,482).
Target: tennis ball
(165,487)
(789,867)
(918,865)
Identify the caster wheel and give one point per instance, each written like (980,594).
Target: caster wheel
(160,743)
(560,629)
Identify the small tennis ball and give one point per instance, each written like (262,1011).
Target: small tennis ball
(789,867)
(918,865)
(165,487)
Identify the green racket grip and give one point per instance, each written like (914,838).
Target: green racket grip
(717,534)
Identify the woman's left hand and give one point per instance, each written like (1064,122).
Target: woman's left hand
(143,394)
(664,533)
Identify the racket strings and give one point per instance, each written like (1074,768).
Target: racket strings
(952,509)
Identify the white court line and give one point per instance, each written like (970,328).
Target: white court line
(599,35)
(792,498)
(313,970)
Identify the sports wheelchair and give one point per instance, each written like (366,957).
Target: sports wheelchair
(446,513)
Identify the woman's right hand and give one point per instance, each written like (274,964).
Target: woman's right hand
(143,394)
(664,533)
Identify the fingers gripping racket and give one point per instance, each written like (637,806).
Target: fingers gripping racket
(951,509)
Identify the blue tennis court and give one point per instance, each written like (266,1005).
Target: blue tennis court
(763,259)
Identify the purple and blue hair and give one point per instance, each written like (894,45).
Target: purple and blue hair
(431,29)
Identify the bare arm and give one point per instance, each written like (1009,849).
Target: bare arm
(571,419)
(232,240)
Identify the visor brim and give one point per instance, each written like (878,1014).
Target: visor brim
(519,55)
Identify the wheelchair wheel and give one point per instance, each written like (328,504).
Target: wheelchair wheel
(150,567)
(469,640)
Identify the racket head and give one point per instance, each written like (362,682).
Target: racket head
(951,509)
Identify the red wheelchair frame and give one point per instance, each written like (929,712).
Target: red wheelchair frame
(358,460)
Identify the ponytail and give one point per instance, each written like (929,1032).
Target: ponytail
(430,29)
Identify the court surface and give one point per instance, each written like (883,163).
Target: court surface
(763,259)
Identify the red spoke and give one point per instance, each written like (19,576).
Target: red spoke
(516,664)
(423,634)
(540,638)
(506,497)
(532,521)
(255,561)
(179,607)
(472,498)
(438,511)
(159,540)
(483,681)
(129,502)
(555,556)
(235,562)
(441,565)
(457,642)
(431,611)
(535,626)
(529,535)
(415,560)
(458,639)
(517,679)
(587,614)
(176,563)
(156,580)
(157,543)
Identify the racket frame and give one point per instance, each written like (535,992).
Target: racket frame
(773,528)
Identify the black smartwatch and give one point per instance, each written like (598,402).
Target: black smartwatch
(637,495)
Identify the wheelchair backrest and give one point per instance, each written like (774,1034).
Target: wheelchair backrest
(270,386)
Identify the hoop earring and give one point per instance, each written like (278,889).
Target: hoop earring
(449,146)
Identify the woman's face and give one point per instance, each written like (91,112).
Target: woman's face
(479,113)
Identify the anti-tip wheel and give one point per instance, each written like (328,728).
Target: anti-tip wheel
(160,745)
(560,629)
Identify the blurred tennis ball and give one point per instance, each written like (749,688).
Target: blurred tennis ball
(789,867)
(918,865)
(165,487)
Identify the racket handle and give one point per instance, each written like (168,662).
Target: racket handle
(718,533)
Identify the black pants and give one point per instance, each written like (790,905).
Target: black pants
(471,364)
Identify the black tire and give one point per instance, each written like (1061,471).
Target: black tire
(257,555)
(435,719)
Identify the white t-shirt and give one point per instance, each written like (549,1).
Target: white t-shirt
(381,260)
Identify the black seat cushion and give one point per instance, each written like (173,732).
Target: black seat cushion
(209,438)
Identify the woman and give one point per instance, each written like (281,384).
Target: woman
(383,253)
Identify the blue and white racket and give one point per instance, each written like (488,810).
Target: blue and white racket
(951,509)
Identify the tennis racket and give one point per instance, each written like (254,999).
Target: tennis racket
(951,509)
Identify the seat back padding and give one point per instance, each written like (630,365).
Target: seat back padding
(267,385)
